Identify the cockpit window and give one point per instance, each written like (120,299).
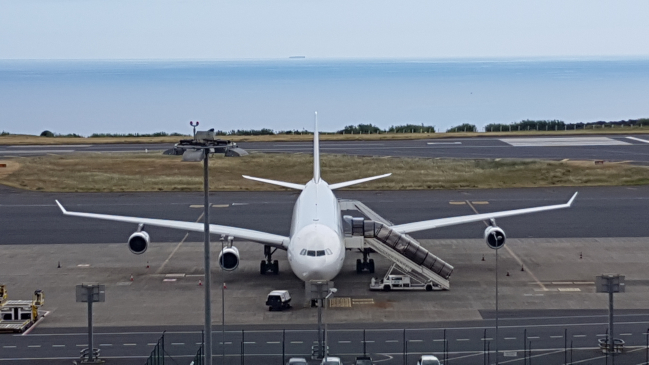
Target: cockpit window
(321,253)
(328,251)
(303,252)
(310,253)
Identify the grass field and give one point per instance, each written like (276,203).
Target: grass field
(36,140)
(94,172)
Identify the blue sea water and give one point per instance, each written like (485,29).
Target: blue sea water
(147,96)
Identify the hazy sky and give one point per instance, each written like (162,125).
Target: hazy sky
(193,29)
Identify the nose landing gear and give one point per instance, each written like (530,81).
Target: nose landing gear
(268,265)
(365,265)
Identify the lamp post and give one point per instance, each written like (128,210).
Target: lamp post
(326,336)
(196,155)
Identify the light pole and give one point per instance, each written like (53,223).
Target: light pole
(202,153)
(326,336)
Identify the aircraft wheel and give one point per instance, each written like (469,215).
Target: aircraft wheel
(386,288)
(359,266)
(429,287)
(275,267)
(262,267)
(371,266)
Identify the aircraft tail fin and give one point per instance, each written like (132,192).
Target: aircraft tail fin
(316,152)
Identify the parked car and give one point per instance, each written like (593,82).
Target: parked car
(428,360)
(330,360)
(297,361)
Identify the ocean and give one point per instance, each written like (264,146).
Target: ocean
(87,97)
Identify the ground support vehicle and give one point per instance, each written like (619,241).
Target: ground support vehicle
(395,279)
(278,300)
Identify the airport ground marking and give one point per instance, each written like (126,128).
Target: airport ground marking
(638,139)
(176,249)
(509,250)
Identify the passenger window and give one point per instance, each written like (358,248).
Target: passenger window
(328,251)
(303,252)
(310,253)
(321,253)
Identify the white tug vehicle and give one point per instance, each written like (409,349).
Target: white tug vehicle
(402,281)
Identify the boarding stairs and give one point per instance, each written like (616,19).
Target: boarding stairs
(401,249)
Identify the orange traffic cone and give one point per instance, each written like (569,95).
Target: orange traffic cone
(225,286)
(131,277)
(200,283)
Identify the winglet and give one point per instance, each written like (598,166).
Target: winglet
(572,199)
(61,207)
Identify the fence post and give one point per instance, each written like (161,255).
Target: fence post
(283,346)
(404,347)
(565,345)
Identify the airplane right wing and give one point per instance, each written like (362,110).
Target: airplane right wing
(241,233)
(444,222)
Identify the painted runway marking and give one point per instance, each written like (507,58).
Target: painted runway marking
(462,339)
(344,342)
(389,341)
(220,205)
(564,141)
(8,347)
(534,337)
(201,206)
(416,340)
(57,146)
(276,342)
(297,342)
(520,262)
(34,346)
(556,336)
(429,143)
(176,249)
(177,344)
(638,139)
(130,344)
(457,203)
(510,338)
(578,335)
(105,344)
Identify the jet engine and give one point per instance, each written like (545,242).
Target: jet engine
(138,242)
(229,258)
(495,237)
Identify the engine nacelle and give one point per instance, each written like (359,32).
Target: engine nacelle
(229,258)
(495,237)
(139,242)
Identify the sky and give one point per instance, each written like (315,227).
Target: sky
(254,29)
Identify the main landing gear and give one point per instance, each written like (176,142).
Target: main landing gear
(365,265)
(268,265)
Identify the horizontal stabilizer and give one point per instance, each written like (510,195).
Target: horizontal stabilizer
(354,182)
(275,182)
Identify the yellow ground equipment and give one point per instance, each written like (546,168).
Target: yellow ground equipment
(19,315)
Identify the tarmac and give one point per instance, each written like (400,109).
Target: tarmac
(558,275)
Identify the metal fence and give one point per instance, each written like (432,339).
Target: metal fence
(157,356)
(527,346)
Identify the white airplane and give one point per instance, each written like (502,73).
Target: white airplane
(316,245)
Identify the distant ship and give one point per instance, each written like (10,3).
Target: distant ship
(297,57)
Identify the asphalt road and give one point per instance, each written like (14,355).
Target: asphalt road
(32,217)
(546,338)
(608,148)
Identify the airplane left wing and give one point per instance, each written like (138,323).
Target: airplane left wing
(444,222)
(241,233)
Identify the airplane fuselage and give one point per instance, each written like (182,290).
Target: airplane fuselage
(316,250)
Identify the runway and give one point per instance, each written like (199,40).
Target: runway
(607,224)
(634,148)
(33,218)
